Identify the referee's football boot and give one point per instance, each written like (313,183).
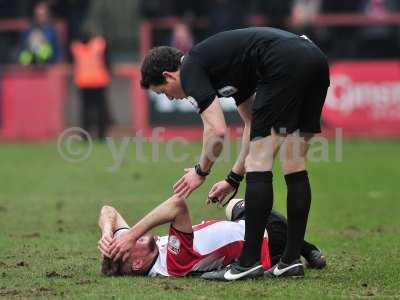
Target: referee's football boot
(315,259)
(293,270)
(235,272)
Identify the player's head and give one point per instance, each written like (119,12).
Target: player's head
(141,258)
(160,72)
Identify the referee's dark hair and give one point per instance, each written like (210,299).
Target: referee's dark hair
(158,60)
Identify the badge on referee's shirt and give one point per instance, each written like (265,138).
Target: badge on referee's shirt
(227,91)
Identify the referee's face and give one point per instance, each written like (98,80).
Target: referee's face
(171,88)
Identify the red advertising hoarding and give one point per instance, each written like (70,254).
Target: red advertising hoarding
(32,103)
(364,99)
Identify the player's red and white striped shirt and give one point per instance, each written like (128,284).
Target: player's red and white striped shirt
(213,244)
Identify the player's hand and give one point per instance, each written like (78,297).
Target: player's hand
(188,183)
(104,244)
(219,191)
(121,246)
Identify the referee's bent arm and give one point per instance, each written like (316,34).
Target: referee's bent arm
(213,134)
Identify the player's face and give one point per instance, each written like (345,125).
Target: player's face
(144,246)
(141,255)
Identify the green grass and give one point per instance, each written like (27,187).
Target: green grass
(49,210)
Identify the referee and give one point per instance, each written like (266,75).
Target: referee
(279,82)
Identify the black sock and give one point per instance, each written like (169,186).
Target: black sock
(298,206)
(306,248)
(259,200)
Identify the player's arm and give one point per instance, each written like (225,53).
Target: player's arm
(213,140)
(174,211)
(225,187)
(109,221)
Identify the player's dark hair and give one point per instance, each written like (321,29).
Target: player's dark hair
(111,268)
(158,60)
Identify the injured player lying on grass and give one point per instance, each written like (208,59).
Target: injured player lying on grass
(188,249)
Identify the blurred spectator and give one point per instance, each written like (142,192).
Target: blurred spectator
(182,37)
(154,8)
(303,15)
(304,12)
(188,9)
(74,12)
(340,41)
(118,23)
(379,41)
(225,15)
(340,6)
(167,8)
(92,75)
(276,11)
(40,44)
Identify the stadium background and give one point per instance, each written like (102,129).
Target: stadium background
(49,206)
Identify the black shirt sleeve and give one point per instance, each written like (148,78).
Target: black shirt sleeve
(196,83)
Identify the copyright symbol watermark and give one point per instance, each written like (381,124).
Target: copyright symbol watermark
(70,147)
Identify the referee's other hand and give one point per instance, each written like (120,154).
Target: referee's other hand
(188,183)
(219,191)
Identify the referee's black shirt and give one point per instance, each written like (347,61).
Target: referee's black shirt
(226,64)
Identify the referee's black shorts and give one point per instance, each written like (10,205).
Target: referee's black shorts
(292,89)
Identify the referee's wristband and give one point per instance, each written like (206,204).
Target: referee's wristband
(200,172)
(234,179)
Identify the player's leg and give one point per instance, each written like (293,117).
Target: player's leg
(277,234)
(277,238)
(259,194)
(310,122)
(293,159)
(315,258)
(312,85)
(276,227)
(274,114)
(294,152)
(275,95)
(259,200)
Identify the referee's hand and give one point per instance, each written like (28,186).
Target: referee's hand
(188,183)
(219,191)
